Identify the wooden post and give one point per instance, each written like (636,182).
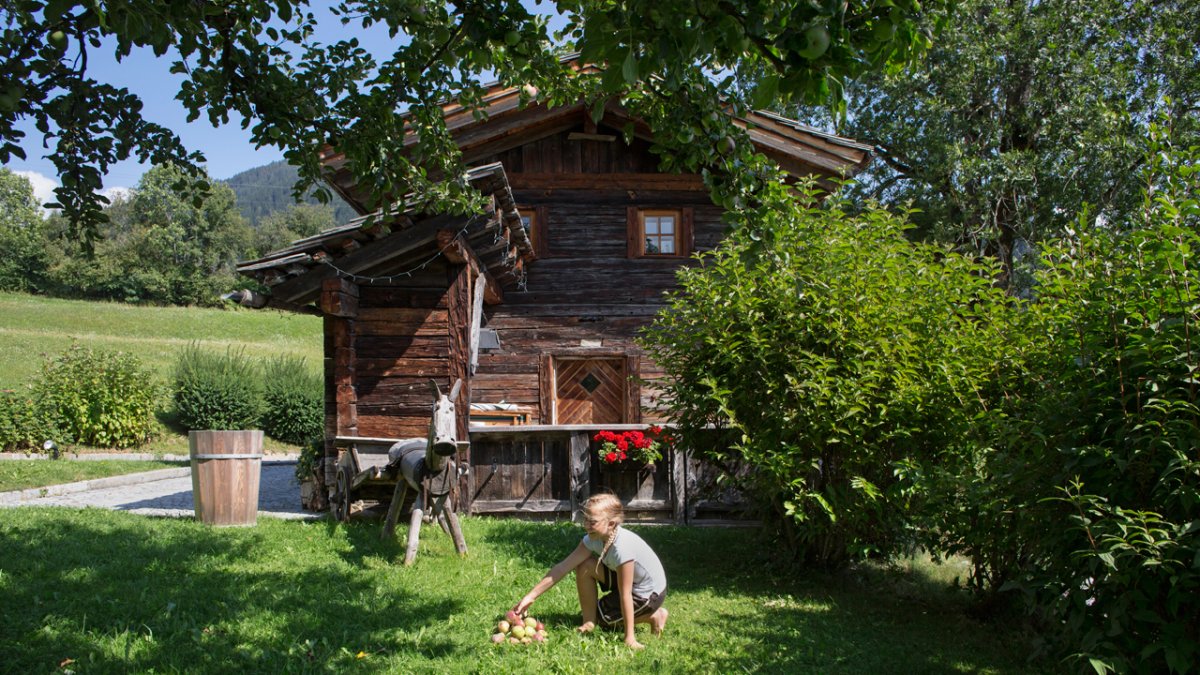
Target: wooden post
(678,486)
(460,542)
(393,514)
(414,527)
(579,462)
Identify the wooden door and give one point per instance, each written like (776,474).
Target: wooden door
(590,391)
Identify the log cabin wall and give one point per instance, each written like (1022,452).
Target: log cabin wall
(403,336)
(585,294)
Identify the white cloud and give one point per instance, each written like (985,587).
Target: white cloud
(43,187)
(115,193)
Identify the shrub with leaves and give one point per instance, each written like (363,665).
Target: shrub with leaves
(99,398)
(217,391)
(294,398)
(24,422)
(840,360)
(1122,413)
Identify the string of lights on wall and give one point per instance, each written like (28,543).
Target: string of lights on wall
(391,278)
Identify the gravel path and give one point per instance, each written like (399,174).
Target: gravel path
(167,492)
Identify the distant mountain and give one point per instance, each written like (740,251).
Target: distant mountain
(265,189)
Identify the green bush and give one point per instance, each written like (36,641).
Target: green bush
(309,463)
(24,422)
(217,391)
(841,360)
(1121,411)
(99,398)
(294,399)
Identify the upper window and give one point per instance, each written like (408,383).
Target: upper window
(659,232)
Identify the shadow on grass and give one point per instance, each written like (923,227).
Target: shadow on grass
(724,584)
(117,591)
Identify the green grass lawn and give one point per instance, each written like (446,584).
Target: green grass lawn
(100,592)
(32,327)
(19,474)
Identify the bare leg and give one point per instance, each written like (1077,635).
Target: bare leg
(657,620)
(585,584)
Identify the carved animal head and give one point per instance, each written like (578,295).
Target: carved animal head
(443,431)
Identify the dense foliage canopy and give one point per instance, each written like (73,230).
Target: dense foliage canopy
(258,60)
(1023,111)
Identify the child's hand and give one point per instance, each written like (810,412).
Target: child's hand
(523,605)
(632,643)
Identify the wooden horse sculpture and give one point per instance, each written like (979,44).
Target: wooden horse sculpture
(426,466)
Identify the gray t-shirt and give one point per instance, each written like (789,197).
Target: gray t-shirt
(648,574)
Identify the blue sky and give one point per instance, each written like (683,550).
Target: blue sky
(227,149)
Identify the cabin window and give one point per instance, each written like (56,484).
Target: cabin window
(659,232)
(533,219)
(529,221)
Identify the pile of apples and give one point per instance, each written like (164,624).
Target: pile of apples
(515,630)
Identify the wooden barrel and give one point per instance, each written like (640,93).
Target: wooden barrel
(226,466)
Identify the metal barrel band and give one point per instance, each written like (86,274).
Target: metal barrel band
(230,456)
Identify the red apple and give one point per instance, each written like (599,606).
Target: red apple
(498,638)
(513,617)
(540,626)
(503,626)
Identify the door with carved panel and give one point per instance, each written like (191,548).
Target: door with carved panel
(590,390)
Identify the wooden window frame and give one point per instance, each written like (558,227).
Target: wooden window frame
(636,231)
(537,228)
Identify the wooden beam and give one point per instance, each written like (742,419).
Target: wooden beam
(606,181)
(603,138)
(304,287)
(520,505)
(339,297)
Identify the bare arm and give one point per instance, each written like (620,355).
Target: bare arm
(625,587)
(552,577)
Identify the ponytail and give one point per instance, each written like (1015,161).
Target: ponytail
(607,506)
(612,537)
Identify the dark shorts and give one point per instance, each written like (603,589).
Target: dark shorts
(608,608)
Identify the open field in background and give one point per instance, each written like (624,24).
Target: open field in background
(118,593)
(32,327)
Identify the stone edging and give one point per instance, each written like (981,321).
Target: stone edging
(112,481)
(134,456)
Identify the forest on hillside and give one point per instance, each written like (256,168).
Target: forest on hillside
(267,189)
(165,243)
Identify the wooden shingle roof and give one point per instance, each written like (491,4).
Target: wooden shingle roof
(396,244)
(800,150)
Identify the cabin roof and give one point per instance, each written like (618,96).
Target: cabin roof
(512,116)
(398,244)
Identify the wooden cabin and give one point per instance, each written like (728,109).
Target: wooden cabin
(535,303)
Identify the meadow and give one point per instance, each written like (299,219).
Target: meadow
(92,591)
(34,327)
(22,474)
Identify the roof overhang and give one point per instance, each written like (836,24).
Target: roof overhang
(390,247)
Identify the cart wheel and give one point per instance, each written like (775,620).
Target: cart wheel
(341,497)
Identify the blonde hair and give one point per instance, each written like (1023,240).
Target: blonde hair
(605,506)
